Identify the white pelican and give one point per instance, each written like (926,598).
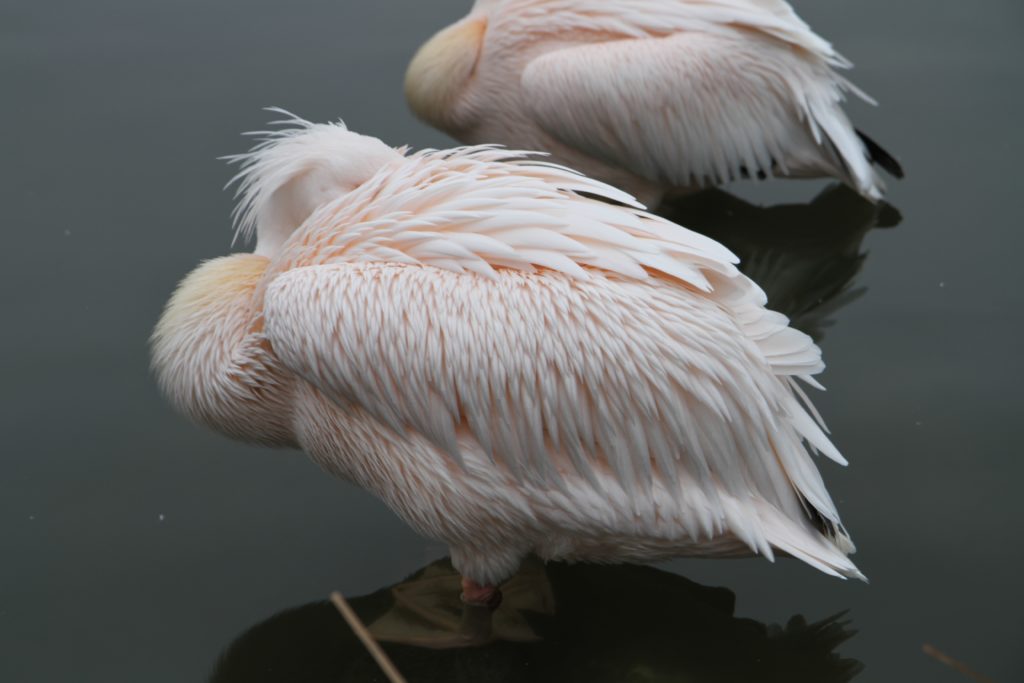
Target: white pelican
(653,96)
(512,365)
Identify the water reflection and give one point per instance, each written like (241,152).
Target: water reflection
(805,256)
(627,624)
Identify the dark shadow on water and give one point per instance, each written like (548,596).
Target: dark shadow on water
(564,623)
(805,256)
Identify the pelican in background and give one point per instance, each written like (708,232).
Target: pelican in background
(653,96)
(512,363)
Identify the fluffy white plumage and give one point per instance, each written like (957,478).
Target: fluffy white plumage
(650,95)
(296,168)
(511,364)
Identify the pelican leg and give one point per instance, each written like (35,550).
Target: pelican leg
(431,611)
(477,595)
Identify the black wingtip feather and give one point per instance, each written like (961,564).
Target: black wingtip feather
(878,155)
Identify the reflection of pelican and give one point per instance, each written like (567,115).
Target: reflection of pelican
(595,623)
(649,95)
(805,256)
(512,366)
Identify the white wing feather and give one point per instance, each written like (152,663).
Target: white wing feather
(639,351)
(646,18)
(699,92)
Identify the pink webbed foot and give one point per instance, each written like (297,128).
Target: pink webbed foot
(480,596)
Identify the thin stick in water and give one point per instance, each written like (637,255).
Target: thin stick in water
(937,654)
(381,657)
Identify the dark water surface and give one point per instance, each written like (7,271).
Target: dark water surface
(137,547)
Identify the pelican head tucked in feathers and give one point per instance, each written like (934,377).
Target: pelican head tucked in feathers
(510,363)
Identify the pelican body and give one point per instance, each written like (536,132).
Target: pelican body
(511,364)
(652,96)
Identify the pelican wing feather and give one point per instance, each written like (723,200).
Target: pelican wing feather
(618,351)
(734,99)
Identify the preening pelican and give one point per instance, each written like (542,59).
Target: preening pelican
(513,365)
(652,96)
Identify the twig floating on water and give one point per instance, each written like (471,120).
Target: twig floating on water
(374,648)
(934,653)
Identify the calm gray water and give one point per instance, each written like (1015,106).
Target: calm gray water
(135,546)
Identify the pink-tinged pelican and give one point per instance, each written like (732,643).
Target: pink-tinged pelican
(653,96)
(511,364)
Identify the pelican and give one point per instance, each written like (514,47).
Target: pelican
(652,96)
(516,358)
